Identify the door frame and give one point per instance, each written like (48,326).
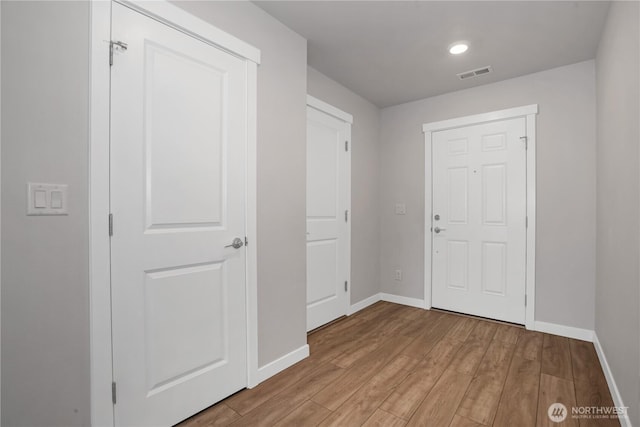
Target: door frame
(329,109)
(529,113)
(101,375)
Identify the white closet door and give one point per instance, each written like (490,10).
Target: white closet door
(178,142)
(327,217)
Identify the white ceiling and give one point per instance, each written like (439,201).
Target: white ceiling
(392,52)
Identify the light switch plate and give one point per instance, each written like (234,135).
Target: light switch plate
(46,199)
(401,209)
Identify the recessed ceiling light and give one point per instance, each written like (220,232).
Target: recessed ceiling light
(458,47)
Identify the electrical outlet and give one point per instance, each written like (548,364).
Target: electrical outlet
(398,275)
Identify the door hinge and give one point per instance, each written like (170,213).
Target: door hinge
(526,222)
(115,45)
(246,241)
(346,286)
(113,392)
(110,224)
(525,300)
(346,146)
(346,216)
(526,142)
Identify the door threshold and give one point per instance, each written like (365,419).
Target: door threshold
(488,319)
(326,325)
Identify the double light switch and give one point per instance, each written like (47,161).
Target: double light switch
(46,199)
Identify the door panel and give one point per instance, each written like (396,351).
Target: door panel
(458,195)
(458,264)
(479,194)
(178,150)
(327,232)
(197,293)
(323,270)
(494,268)
(182,189)
(322,169)
(494,186)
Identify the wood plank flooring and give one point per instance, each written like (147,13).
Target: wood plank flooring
(391,365)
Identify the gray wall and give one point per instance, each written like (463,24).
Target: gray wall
(617,305)
(282,133)
(45,306)
(45,294)
(365,225)
(565,256)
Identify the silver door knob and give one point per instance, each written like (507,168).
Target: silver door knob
(438,229)
(236,244)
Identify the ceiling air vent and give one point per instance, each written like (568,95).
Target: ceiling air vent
(475,73)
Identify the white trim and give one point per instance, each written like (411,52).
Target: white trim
(381,296)
(529,113)
(530,310)
(0,233)
(611,382)
(99,263)
(428,214)
(361,305)
(329,109)
(347,244)
(397,299)
(564,331)
(493,116)
(99,275)
(183,21)
(282,363)
(252,225)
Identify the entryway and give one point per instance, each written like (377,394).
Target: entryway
(479,215)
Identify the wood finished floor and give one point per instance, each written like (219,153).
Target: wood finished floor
(392,365)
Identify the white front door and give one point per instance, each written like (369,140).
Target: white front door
(327,217)
(479,214)
(178,148)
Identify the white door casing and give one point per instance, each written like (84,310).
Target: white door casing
(479,211)
(179,223)
(480,180)
(328,222)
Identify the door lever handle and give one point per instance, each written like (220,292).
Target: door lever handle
(236,244)
(438,230)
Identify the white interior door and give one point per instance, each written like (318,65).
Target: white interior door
(479,220)
(178,142)
(327,217)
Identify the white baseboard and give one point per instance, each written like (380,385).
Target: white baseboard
(361,305)
(411,302)
(397,299)
(611,382)
(280,364)
(564,331)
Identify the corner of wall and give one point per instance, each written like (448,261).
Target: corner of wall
(611,381)
(617,296)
